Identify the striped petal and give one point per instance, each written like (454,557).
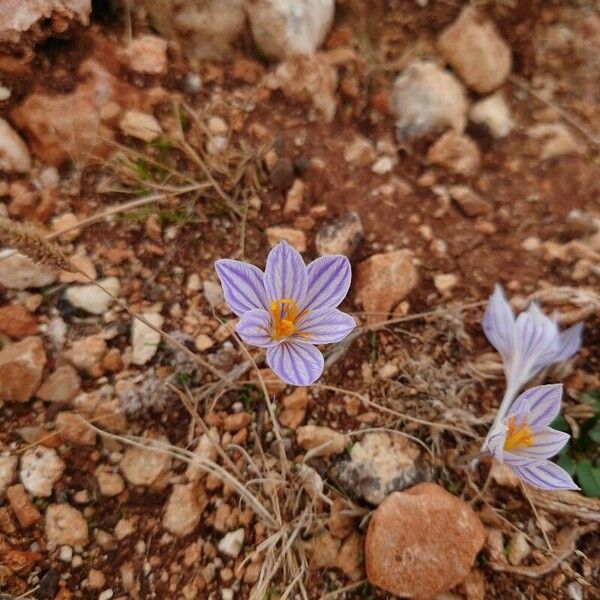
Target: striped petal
(242,284)
(325,326)
(285,274)
(329,279)
(546,443)
(545,475)
(540,404)
(569,342)
(296,363)
(255,328)
(536,338)
(499,323)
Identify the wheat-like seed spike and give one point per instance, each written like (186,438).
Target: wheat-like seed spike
(28,241)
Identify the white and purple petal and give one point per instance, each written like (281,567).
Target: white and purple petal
(499,323)
(329,279)
(545,475)
(242,284)
(536,343)
(296,363)
(546,443)
(324,326)
(569,342)
(254,328)
(285,274)
(540,404)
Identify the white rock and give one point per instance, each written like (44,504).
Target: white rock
(231,544)
(360,151)
(106,594)
(91,298)
(383,165)
(147,54)
(4,93)
(145,340)
(558,140)
(445,282)
(147,467)
(141,125)
(281,28)
(18,272)
(427,98)
(518,549)
(65,525)
(14,154)
(213,292)
(216,144)
(65,554)
(494,113)
(41,468)
(8,470)
(184,509)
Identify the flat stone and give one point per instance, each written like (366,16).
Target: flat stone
(146,467)
(146,54)
(184,508)
(110,482)
(65,526)
(74,429)
(427,98)
(16,321)
(61,386)
(476,51)
(140,125)
(422,542)
(384,280)
(327,440)
(294,198)
(25,510)
(294,237)
(144,340)
(379,464)
(40,469)
(494,114)
(18,272)
(342,235)
(14,154)
(91,298)
(455,152)
(8,472)
(231,543)
(471,203)
(21,368)
(445,282)
(86,355)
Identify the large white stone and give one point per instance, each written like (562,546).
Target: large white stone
(18,272)
(41,468)
(91,298)
(144,339)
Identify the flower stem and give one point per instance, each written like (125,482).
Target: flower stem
(509,397)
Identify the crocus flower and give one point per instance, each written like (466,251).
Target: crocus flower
(528,343)
(524,441)
(290,308)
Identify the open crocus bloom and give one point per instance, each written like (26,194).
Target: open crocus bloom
(528,343)
(290,308)
(524,441)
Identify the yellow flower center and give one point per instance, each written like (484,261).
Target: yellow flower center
(519,435)
(285,314)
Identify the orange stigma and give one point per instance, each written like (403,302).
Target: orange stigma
(519,435)
(285,314)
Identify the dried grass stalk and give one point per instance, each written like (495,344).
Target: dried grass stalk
(28,241)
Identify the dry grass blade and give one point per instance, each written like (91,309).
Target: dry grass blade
(28,241)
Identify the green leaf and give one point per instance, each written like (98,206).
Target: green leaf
(594,432)
(589,478)
(592,397)
(566,462)
(560,423)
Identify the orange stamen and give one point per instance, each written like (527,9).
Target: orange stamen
(519,435)
(285,314)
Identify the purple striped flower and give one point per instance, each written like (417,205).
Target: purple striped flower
(524,441)
(290,308)
(529,342)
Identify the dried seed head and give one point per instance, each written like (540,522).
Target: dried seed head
(28,241)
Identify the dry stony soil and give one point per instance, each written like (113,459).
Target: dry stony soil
(425,369)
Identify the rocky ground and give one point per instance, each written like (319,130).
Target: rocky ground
(442,147)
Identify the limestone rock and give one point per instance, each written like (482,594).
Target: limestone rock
(426,98)
(146,54)
(21,368)
(471,203)
(14,154)
(349,559)
(110,483)
(16,321)
(384,280)
(231,544)
(65,526)
(145,340)
(282,29)
(294,408)
(455,152)
(294,198)
(558,140)
(422,542)
(91,298)
(205,448)
(323,551)
(40,469)
(378,465)
(145,466)
(445,282)
(328,441)
(476,51)
(18,272)
(62,385)
(360,152)
(25,510)
(493,113)
(140,125)
(294,237)
(340,236)
(86,354)
(518,548)
(74,429)
(213,292)
(8,471)
(184,509)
